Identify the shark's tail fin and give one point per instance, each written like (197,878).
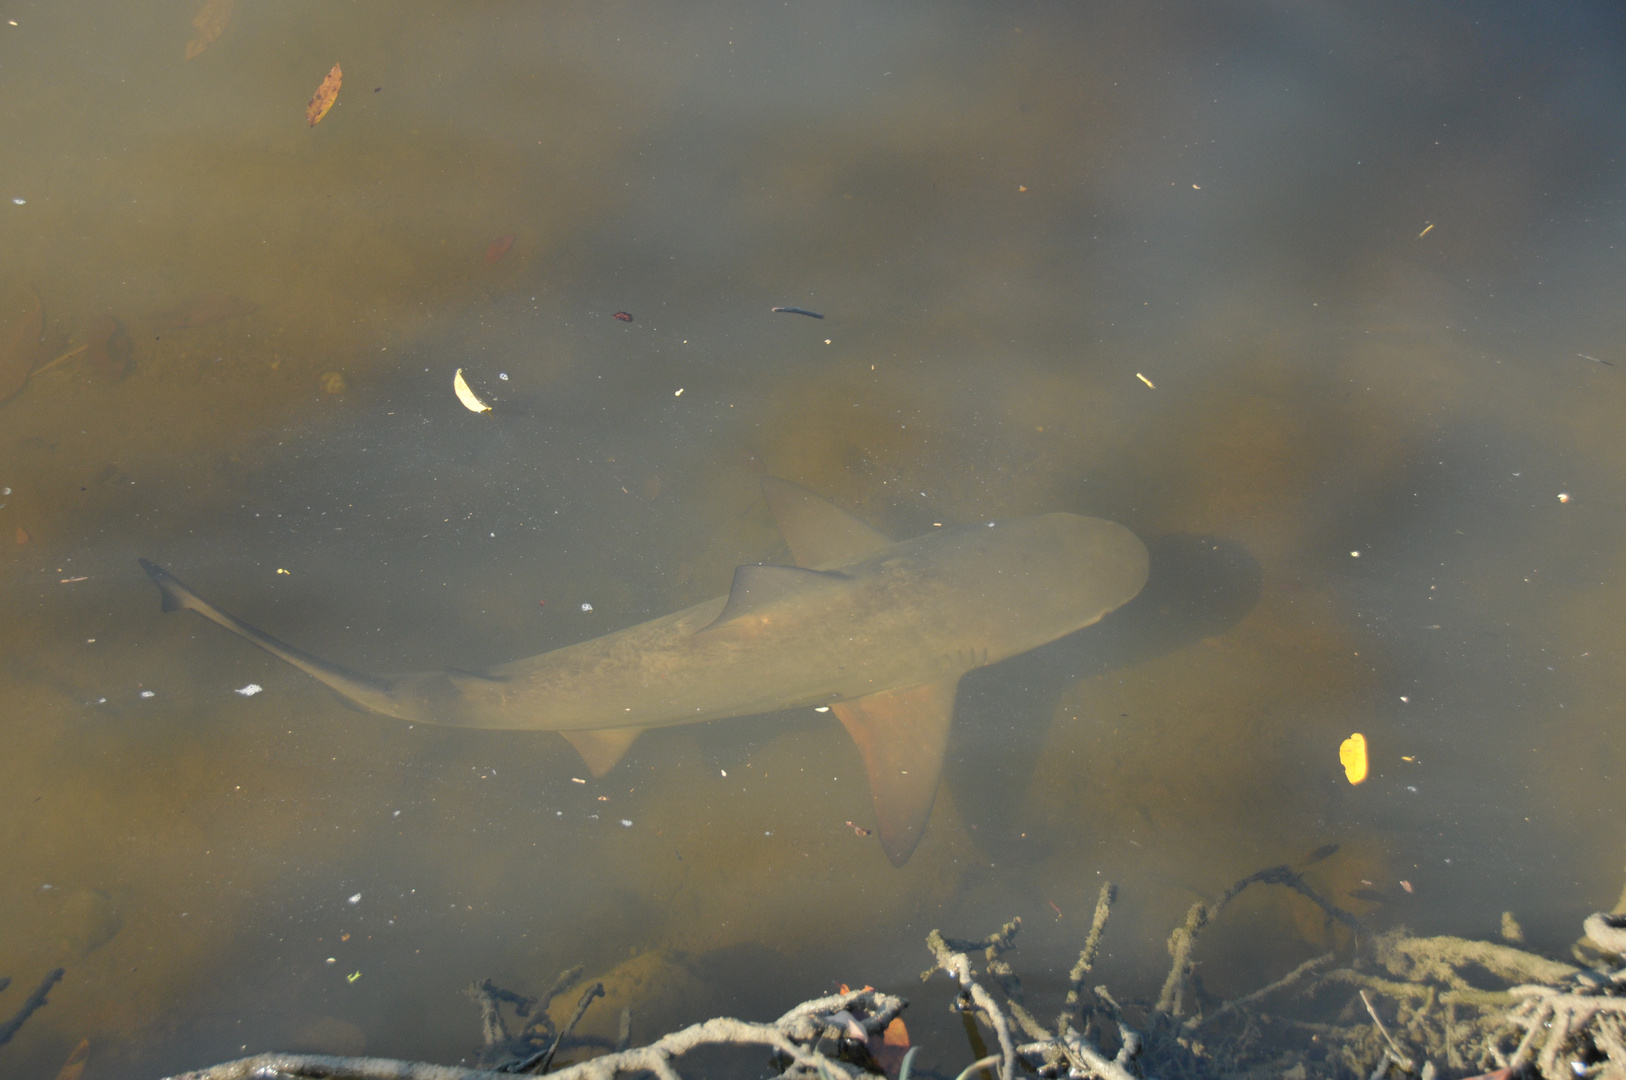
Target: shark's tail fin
(173,594)
(368,691)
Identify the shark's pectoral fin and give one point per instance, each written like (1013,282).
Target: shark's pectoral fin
(818,532)
(601,748)
(901,734)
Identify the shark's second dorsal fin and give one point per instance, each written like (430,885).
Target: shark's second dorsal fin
(601,748)
(818,532)
(902,734)
(760,585)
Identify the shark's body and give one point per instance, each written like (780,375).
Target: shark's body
(881,632)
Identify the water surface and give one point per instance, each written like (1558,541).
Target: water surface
(1322,301)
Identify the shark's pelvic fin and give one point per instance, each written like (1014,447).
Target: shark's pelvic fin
(818,532)
(759,586)
(601,748)
(901,734)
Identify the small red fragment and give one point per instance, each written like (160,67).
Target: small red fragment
(624,316)
(499,247)
(1054,908)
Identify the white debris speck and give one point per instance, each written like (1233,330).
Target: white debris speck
(1354,554)
(679,392)
(1563,496)
(146,693)
(587,607)
(821,708)
(1411,789)
(20,202)
(333,959)
(503,375)
(396,814)
(47,885)
(250,690)
(768,833)
(577,780)
(5,491)
(724,772)
(356,899)
(626,822)
(101,701)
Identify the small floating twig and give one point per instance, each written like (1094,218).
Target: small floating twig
(69,355)
(799,311)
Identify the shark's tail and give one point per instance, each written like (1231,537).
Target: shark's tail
(368,691)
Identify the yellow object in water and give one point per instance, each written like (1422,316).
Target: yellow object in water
(467,396)
(1352,756)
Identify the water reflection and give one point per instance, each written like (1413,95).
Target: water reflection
(1005,216)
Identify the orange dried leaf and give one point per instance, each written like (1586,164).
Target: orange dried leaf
(208,24)
(326,95)
(499,247)
(75,1065)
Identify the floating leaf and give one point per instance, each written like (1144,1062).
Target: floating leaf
(208,24)
(326,95)
(499,247)
(75,1065)
(1352,756)
(19,349)
(203,310)
(467,396)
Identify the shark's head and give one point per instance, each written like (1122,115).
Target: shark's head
(1019,584)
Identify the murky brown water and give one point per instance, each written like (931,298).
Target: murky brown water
(1355,248)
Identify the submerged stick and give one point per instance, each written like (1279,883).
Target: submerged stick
(1090,952)
(35,1001)
(1400,1058)
(540,1062)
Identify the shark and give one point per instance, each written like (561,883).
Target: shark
(878,631)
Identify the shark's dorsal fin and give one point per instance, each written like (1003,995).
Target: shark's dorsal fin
(761,585)
(901,734)
(601,748)
(818,532)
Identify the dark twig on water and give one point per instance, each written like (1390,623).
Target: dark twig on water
(34,1002)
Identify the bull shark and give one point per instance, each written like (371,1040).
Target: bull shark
(879,631)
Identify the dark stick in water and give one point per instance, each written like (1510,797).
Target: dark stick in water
(35,1001)
(799,311)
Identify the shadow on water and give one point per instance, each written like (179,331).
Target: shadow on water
(1198,587)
